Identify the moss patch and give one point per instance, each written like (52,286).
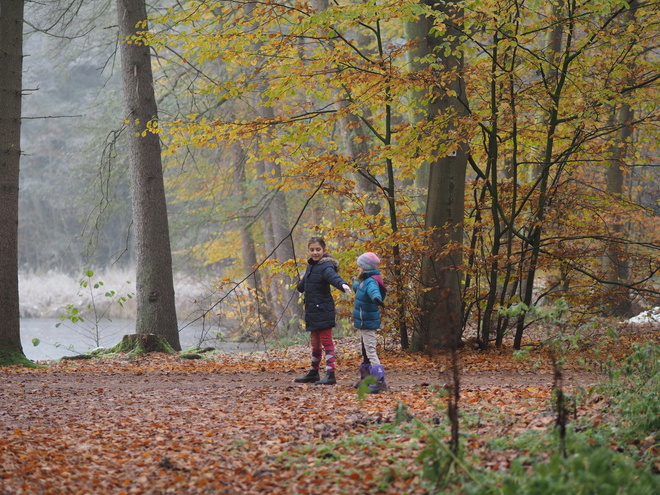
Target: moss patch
(10,356)
(78,356)
(138,344)
(190,355)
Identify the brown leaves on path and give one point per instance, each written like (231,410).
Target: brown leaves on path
(237,424)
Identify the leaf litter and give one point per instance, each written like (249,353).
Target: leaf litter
(236,423)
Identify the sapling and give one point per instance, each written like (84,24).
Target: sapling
(88,319)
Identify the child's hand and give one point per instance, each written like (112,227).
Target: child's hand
(347,289)
(380,303)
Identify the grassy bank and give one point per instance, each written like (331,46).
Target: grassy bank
(47,295)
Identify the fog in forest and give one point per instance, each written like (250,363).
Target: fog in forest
(75,210)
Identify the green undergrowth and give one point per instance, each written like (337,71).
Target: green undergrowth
(300,338)
(124,348)
(132,346)
(197,352)
(614,449)
(589,465)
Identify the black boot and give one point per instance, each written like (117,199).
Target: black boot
(312,376)
(328,379)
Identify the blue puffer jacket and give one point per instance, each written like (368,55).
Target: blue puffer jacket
(368,292)
(315,284)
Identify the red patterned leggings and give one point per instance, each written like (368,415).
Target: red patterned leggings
(322,341)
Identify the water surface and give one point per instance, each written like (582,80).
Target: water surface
(69,339)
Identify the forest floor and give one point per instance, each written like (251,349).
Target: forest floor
(237,424)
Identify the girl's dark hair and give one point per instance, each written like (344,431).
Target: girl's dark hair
(316,240)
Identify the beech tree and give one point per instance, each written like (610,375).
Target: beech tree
(441,320)
(517,90)
(156,311)
(11,61)
(306,149)
(616,268)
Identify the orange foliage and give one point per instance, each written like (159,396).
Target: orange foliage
(158,423)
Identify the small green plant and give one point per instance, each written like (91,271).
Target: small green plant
(635,390)
(402,415)
(436,457)
(87,320)
(552,314)
(364,386)
(589,470)
(36,342)
(57,345)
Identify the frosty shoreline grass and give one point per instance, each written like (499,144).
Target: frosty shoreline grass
(47,295)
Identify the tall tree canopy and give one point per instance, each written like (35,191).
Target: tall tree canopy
(524,91)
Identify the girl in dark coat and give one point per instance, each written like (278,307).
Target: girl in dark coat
(321,273)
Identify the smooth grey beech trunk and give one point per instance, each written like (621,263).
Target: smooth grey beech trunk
(441,317)
(616,266)
(11,68)
(156,312)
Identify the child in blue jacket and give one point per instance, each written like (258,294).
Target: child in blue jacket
(370,293)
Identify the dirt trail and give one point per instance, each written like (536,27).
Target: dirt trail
(231,423)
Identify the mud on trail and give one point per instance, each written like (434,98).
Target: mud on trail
(236,423)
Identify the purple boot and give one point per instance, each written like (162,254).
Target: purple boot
(378,371)
(364,372)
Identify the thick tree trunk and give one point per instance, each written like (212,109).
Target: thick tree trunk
(417,32)
(238,156)
(11,69)
(618,301)
(441,322)
(156,311)
(615,263)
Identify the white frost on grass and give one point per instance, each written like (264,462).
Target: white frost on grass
(47,295)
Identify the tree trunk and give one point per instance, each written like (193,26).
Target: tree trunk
(238,156)
(247,241)
(156,312)
(615,264)
(416,32)
(11,63)
(441,319)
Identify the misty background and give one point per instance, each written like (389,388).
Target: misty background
(75,205)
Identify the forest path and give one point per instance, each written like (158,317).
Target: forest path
(235,423)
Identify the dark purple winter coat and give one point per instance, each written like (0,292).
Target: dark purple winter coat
(315,285)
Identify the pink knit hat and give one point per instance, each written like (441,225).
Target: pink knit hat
(368,261)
